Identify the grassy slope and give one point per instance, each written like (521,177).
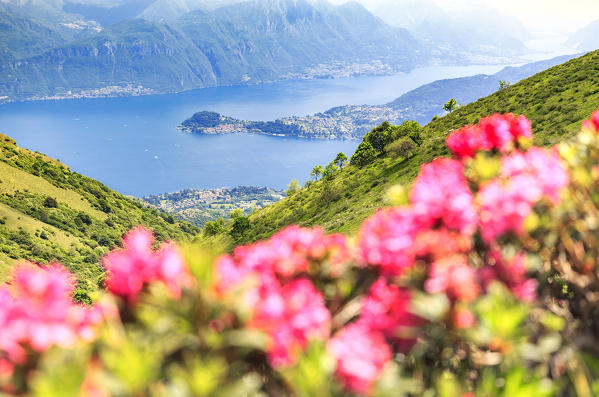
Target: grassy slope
(87,220)
(556,101)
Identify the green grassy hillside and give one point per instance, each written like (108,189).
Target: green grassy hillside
(48,213)
(556,101)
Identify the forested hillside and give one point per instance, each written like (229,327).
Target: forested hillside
(253,42)
(49,213)
(556,101)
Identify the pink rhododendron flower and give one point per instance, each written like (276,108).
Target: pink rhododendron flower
(361,355)
(465,142)
(433,245)
(595,120)
(291,315)
(441,192)
(37,312)
(463,319)
(520,126)
(497,131)
(493,132)
(513,273)
(288,253)
(455,277)
(134,266)
(546,175)
(503,208)
(387,240)
(387,309)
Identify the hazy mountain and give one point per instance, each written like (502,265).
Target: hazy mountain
(290,36)
(108,12)
(587,38)
(251,42)
(32,27)
(478,29)
(168,10)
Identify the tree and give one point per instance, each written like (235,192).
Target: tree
(341,160)
(451,105)
(240,226)
(329,171)
(380,136)
(292,188)
(504,84)
(316,172)
(212,228)
(365,154)
(403,147)
(410,129)
(236,213)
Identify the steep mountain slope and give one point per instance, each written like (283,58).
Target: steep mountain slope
(48,213)
(252,42)
(30,29)
(587,38)
(130,53)
(556,101)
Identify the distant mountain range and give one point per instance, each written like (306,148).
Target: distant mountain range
(87,48)
(250,42)
(587,38)
(354,121)
(466,29)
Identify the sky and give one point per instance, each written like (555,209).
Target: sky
(540,17)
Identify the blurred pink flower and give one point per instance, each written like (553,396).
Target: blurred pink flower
(386,308)
(455,277)
(595,120)
(494,132)
(361,355)
(512,273)
(134,266)
(465,142)
(387,240)
(503,208)
(441,193)
(291,315)
(544,170)
(432,245)
(37,312)
(497,131)
(463,319)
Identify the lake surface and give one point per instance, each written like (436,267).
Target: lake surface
(133,146)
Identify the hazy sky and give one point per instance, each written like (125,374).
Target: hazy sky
(539,16)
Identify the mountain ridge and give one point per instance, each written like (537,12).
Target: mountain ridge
(248,43)
(556,101)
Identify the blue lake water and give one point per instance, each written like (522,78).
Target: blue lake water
(133,145)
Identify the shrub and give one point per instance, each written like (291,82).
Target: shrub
(403,147)
(50,202)
(482,282)
(364,155)
(212,228)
